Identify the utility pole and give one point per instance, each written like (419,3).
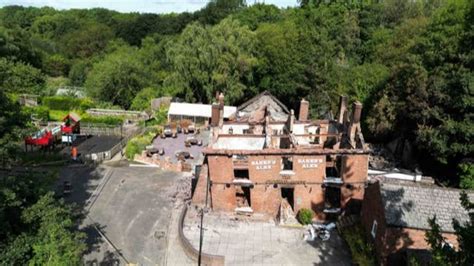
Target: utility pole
(201,231)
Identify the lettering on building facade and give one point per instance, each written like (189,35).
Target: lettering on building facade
(310,163)
(263,164)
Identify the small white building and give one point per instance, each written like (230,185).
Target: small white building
(198,113)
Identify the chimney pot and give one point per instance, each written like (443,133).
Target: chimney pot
(304,110)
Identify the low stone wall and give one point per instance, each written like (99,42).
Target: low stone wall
(206,259)
(91,129)
(164,164)
(132,115)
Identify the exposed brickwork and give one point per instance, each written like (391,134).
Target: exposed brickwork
(354,172)
(199,196)
(304,110)
(266,170)
(373,210)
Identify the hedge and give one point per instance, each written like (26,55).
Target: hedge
(67,103)
(108,120)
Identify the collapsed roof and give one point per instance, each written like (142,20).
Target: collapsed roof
(275,109)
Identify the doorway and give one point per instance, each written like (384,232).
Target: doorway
(332,197)
(242,196)
(288,194)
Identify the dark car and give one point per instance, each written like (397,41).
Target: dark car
(182,154)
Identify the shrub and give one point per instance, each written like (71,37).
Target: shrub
(139,143)
(362,252)
(305,216)
(37,112)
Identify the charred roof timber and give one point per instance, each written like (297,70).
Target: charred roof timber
(263,124)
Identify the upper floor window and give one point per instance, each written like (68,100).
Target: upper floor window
(287,163)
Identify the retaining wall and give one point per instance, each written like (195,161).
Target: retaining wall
(206,259)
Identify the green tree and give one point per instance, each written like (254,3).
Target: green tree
(466,174)
(20,78)
(56,242)
(143,99)
(443,255)
(56,65)
(117,78)
(209,59)
(91,39)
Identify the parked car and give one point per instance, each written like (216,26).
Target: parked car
(167,131)
(192,140)
(191,128)
(182,154)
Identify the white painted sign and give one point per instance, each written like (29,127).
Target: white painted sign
(310,163)
(263,164)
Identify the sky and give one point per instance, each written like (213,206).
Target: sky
(148,6)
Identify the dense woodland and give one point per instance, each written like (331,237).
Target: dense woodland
(409,62)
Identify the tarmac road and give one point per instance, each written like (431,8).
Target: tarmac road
(128,212)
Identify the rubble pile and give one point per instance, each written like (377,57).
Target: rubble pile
(181,191)
(381,158)
(286,215)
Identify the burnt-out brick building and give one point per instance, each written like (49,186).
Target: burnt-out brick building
(263,155)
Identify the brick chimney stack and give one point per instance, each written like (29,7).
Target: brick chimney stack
(304,110)
(215,115)
(355,122)
(221,100)
(342,110)
(221,109)
(356,112)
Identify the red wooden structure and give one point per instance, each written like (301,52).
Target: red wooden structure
(71,124)
(42,138)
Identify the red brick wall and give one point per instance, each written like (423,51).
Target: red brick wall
(310,196)
(199,196)
(264,198)
(221,170)
(354,171)
(402,238)
(372,209)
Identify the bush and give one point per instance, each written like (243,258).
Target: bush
(37,112)
(139,143)
(305,216)
(58,115)
(362,252)
(67,103)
